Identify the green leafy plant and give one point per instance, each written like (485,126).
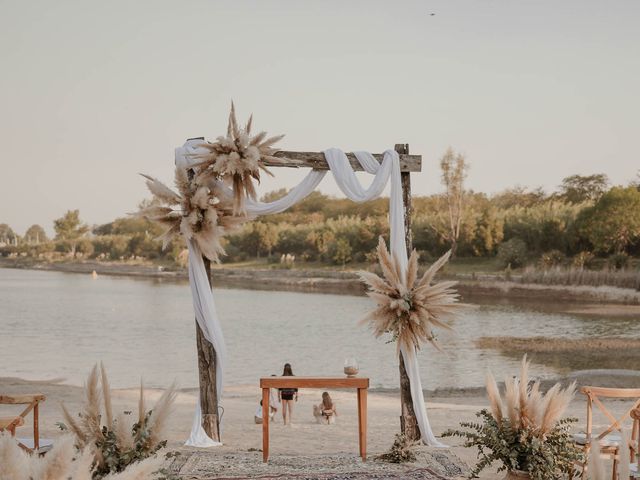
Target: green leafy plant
(525,432)
(512,252)
(402,450)
(119,441)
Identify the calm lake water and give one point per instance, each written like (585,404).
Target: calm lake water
(57,325)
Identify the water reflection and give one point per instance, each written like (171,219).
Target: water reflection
(57,325)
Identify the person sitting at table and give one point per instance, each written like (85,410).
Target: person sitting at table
(257,417)
(325,412)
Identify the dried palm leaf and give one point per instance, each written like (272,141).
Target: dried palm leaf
(408,309)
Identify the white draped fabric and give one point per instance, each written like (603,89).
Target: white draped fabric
(346,179)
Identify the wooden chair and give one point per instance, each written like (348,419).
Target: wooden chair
(635,446)
(10,423)
(608,439)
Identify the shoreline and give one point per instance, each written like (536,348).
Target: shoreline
(348,283)
(303,449)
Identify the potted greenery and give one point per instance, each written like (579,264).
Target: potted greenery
(524,430)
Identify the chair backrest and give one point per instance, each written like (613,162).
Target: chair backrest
(594,395)
(635,434)
(32,402)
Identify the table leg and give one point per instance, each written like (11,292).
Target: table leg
(265,424)
(362,422)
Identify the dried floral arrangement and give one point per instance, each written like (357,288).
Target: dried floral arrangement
(409,307)
(202,212)
(524,430)
(238,158)
(64,462)
(203,209)
(121,441)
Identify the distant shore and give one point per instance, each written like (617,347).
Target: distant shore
(346,282)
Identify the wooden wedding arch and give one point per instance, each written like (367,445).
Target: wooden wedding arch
(206,352)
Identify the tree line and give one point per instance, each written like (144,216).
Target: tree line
(585,222)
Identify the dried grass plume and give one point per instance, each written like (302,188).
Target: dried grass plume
(407,307)
(237,158)
(525,407)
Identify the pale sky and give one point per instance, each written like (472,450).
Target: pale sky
(92,92)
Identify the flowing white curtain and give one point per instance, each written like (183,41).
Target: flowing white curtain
(346,179)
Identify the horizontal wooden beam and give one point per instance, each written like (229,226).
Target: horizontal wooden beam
(316,160)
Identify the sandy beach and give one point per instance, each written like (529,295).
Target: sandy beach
(304,449)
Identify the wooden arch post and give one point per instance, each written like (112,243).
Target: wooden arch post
(206,352)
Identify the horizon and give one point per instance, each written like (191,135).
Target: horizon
(551,85)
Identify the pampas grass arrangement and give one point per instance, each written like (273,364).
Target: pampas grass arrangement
(409,307)
(199,211)
(64,462)
(117,442)
(524,429)
(237,158)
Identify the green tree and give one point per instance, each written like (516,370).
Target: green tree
(35,235)
(342,252)
(7,235)
(69,230)
(454,170)
(583,188)
(613,223)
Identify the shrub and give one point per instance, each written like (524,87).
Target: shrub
(402,451)
(552,258)
(618,261)
(583,260)
(512,252)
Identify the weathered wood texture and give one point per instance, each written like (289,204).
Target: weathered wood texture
(408,422)
(316,160)
(207,377)
(314,382)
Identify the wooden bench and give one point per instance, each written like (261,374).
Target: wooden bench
(359,383)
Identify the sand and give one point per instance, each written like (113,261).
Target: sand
(303,447)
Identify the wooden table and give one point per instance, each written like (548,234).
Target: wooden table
(360,383)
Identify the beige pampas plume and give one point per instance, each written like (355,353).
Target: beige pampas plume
(495,401)
(83,465)
(408,308)
(57,463)
(524,406)
(73,426)
(91,419)
(238,158)
(106,395)
(202,212)
(141,405)
(14,462)
(160,415)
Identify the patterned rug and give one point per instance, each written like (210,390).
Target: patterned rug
(202,465)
